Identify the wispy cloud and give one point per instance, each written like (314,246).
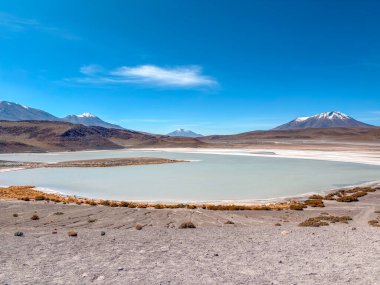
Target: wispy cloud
(150,75)
(17,24)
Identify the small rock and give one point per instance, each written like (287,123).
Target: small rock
(102,233)
(120,269)
(354,229)
(277,224)
(19,234)
(54,232)
(284,233)
(280,261)
(84,275)
(100,278)
(216,254)
(138,227)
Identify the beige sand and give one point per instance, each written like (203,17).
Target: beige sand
(251,251)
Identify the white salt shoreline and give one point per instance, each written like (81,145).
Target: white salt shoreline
(367,158)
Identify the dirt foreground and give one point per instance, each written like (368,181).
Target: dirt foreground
(116,245)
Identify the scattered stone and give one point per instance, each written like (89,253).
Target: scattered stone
(138,227)
(19,234)
(187,225)
(100,278)
(54,232)
(353,228)
(229,222)
(277,224)
(280,261)
(102,233)
(216,254)
(35,217)
(84,275)
(72,233)
(120,269)
(15,215)
(284,233)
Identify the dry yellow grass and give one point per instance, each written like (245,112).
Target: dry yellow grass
(27,193)
(350,195)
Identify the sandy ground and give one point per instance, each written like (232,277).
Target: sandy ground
(251,251)
(358,155)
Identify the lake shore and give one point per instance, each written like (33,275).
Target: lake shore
(230,247)
(358,154)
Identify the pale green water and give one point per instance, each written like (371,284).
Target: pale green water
(211,177)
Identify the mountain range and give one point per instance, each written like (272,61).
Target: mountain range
(15,112)
(184,133)
(323,120)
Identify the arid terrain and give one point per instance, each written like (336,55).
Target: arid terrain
(105,162)
(120,245)
(48,136)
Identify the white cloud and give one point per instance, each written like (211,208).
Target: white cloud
(91,69)
(180,77)
(177,76)
(17,24)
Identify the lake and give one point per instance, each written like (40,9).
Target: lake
(209,177)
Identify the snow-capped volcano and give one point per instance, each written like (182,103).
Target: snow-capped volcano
(89,119)
(15,112)
(323,120)
(86,115)
(184,133)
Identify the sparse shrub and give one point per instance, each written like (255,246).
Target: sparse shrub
(92,220)
(277,224)
(105,202)
(314,203)
(187,225)
(15,215)
(297,206)
(139,227)
(58,213)
(316,197)
(377,212)
(313,222)
(72,233)
(347,199)
(35,217)
(229,222)
(39,198)
(191,206)
(374,223)
(123,204)
(323,221)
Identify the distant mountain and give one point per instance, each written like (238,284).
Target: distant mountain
(323,120)
(184,133)
(88,119)
(14,112)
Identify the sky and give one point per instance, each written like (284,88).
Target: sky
(215,67)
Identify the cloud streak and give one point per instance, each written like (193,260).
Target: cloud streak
(148,75)
(17,24)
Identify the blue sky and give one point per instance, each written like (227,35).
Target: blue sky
(216,67)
